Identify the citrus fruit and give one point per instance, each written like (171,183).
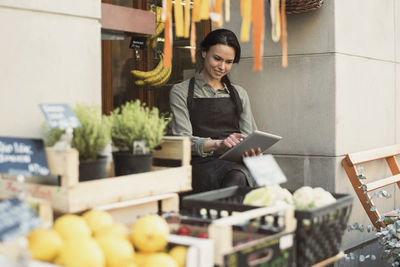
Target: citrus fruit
(97,219)
(81,252)
(178,253)
(117,251)
(149,233)
(71,225)
(140,257)
(115,229)
(160,259)
(44,244)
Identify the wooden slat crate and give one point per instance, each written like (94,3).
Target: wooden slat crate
(74,196)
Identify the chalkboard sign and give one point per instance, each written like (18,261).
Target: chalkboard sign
(16,218)
(23,156)
(138,43)
(60,116)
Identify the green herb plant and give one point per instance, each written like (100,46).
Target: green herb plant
(90,138)
(134,121)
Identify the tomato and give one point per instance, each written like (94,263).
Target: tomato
(202,235)
(183,230)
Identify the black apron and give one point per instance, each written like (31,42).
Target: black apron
(216,118)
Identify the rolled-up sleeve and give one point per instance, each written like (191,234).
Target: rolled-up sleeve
(181,124)
(247,123)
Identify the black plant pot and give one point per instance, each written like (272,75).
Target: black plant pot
(127,163)
(93,169)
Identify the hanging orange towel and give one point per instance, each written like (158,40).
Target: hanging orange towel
(193,42)
(227,10)
(284,34)
(218,11)
(258,33)
(178,12)
(196,10)
(168,35)
(187,19)
(246,20)
(205,9)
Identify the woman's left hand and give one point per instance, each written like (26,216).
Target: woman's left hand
(252,153)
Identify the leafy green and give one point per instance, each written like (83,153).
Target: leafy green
(136,122)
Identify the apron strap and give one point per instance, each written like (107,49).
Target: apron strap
(189,100)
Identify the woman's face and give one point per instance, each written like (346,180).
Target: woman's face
(218,61)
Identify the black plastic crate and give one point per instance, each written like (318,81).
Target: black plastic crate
(319,231)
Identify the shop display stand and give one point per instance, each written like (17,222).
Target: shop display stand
(73,196)
(362,190)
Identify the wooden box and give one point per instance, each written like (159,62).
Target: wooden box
(74,196)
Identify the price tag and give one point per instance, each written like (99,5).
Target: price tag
(265,170)
(23,156)
(16,218)
(138,43)
(60,116)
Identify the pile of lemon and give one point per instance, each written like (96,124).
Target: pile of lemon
(95,240)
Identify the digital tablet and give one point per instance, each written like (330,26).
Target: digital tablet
(253,140)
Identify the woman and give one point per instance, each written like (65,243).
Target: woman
(214,113)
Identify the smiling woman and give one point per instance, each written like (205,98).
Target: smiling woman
(214,113)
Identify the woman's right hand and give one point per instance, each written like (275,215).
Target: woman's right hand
(231,141)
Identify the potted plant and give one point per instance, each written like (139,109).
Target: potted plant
(89,139)
(136,130)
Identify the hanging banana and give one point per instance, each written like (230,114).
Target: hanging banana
(158,77)
(163,80)
(147,74)
(152,40)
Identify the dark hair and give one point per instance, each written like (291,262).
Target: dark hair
(221,36)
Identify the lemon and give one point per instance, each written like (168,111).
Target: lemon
(117,251)
(71,225)
(97,219)
(140,257)
(149,233)
(160,259)
(178,253)
(44,244)
(115,229)
(81,252)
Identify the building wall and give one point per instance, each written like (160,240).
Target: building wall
(50,53)
(339,94)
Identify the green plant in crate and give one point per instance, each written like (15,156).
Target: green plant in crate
(90,138)
(135,121)
(94,134)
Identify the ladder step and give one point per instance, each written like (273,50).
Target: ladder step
(374,154)
(383,182)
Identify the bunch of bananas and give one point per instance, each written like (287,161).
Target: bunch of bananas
(155,77)
(152,40)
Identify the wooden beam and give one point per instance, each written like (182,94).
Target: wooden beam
(374,154)
(383,182)
(125,19)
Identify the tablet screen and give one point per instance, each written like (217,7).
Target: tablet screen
(254,140)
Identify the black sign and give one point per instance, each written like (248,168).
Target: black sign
(22,156)
(16,218)
(60,116)
(138,43)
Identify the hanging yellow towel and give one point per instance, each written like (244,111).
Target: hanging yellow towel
(178,12)
(187,19)
(196,10)
(258,33)
(275,20)
(205,9)
(246,18)
(227,10)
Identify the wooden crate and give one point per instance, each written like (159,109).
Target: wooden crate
(74,196)
(127,212)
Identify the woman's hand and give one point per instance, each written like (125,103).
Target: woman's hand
(252,153)
(229,142)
